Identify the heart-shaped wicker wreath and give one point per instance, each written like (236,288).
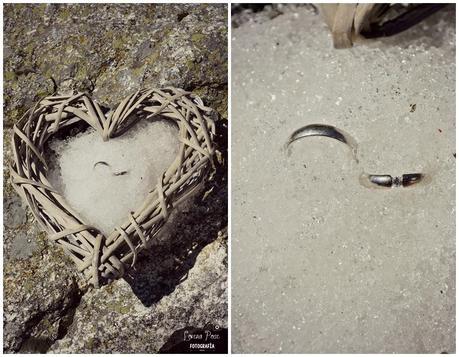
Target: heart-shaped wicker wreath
(102,259)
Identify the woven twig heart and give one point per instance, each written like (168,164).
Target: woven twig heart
(101,258)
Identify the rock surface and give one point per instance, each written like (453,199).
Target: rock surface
(123,323)
(110,51)
(320,263)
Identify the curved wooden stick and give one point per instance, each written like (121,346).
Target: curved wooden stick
(102,259)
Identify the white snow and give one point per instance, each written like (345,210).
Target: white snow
(104,181)
(308,241)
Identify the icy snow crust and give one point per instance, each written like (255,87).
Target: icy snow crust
(104,181)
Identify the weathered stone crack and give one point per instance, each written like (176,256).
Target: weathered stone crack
(68,316)
(35,337)
(110,51)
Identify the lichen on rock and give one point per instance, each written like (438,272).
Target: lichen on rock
(110,50)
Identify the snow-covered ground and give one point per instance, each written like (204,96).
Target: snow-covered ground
(320,263)
(106,180)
